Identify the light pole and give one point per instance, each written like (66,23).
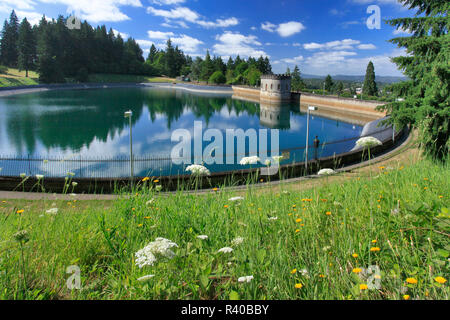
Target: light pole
(310,108)
(129,115)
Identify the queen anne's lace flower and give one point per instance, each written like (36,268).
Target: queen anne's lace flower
(249,160)
(53,211)
(146,278)
(202,237)
(236,199)
(237,241)
(247,279)
(198,170)
(226,250)
(326,172)
(368,142)
(149,255)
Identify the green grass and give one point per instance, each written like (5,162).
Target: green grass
(111,78)
(404,209)
(14,77)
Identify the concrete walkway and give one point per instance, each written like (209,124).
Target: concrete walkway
(401,154)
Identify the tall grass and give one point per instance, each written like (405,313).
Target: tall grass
(317,238)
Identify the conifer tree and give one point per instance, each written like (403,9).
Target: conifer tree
(370,86)
(26,46)
(426,95)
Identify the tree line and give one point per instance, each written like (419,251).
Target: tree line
(59,53)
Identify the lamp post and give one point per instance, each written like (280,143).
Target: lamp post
(129,115)
(310,108)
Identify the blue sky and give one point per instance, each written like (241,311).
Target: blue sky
(320,36)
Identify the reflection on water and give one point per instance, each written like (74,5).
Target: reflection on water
(80,124)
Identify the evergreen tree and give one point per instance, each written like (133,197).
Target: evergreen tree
(370,86)
(207,67)
(26,46)
(10,36)
(297,82)
(152,54)
(426,95)
(328,83)
(339,88)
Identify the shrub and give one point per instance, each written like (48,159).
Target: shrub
(217,78)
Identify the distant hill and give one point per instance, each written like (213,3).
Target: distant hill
(340,77)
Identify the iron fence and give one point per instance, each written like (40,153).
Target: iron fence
(160,165)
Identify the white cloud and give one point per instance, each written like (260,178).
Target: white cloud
(346,44)
(144,43)
(345,62)
(291,61)
(122,34)
(33,17)
(284,29)
(402,31)
(366,46)
(270,27)
(290,28)
(168,2)
(183,13)
(234,43)
(97,10)
(159,35)
(8,5)
(187,44)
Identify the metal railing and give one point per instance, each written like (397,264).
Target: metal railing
(119,167)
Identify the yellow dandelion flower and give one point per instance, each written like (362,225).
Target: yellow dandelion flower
(156,181)
(225,206)
(140,225)
(363,287)
(441,197)
(411,281)
(20,211)
(406,297)
(298,286)
(145,179)
(294,271)
(215,189)
(297,231)
(375,249)
(440,280)
(328,213)
(357,270)
(322,276)
(355,255)
(374,241)
(298,220)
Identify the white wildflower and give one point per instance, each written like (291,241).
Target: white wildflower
(326,172)
(236,199)
(146,278)
(237,241)
(226,250)
(70,174)
(23,175)
(202,237)
(277,159)
(149,202)
(149,255)
(247,279)
(368,142)
(198,170)
(249,160)
(273,218)
(52,211)
(268,162)
(39,176)
(326,248)
(74,184)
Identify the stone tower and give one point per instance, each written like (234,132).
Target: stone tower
(275,88)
